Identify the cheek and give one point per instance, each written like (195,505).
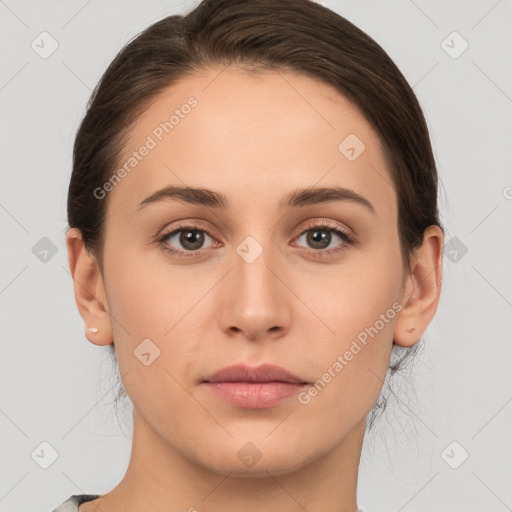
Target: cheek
(152,300)
(155,341)
(359,305)
(149,294)
(361,292)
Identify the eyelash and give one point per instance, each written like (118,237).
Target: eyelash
(322,225)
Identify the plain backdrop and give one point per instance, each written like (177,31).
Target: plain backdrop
(445,442)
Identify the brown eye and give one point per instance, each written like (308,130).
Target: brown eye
(320,237)
(189,239)
(185,241)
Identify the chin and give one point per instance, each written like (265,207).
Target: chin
(244,458)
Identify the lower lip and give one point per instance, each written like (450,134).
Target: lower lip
(257,395)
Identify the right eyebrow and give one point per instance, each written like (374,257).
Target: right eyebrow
(199,196)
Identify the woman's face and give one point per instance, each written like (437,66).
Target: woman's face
(265,278)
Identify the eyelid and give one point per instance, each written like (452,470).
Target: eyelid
(184,225)
(324,223)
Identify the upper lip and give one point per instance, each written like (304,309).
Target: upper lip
(261,373)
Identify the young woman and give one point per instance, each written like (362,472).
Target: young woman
(254,231)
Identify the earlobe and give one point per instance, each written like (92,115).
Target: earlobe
(422,289)
(89,290)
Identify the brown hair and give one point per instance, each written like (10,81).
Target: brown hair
(298,35)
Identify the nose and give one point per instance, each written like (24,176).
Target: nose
(255,299)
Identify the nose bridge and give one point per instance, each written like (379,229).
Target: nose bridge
(255,300)
(252,270)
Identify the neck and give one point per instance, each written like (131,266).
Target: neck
(159,478)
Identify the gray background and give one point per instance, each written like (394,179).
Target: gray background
(57,387)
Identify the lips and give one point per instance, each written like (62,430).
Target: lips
(260,387)
(259,374)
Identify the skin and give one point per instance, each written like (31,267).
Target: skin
(254,138)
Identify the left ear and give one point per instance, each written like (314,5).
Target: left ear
(422,289)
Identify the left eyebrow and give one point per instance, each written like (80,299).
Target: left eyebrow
(318,195)
(294,199)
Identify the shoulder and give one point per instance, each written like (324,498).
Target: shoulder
(72,503)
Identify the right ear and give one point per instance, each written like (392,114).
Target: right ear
(89,289)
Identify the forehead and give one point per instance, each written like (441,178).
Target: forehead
(268,133)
